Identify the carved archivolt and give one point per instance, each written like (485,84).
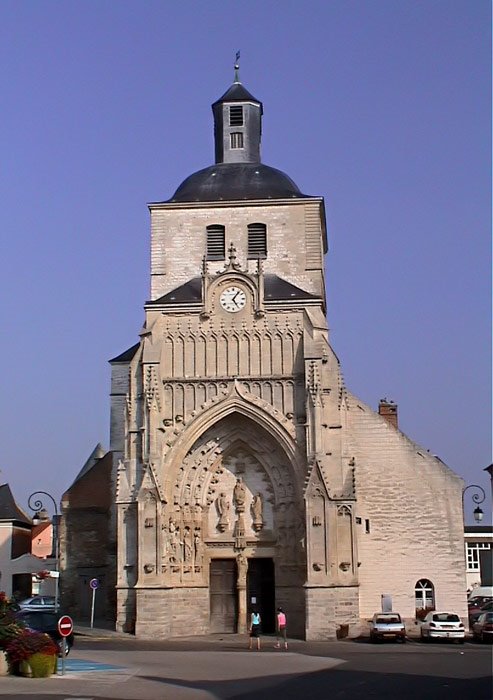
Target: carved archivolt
(235,401)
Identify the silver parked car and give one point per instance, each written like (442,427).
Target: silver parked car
(38,602)
(387,626)
(443,625)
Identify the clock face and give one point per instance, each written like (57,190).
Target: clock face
(232,299)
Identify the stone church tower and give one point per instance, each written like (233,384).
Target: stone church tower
(246,474)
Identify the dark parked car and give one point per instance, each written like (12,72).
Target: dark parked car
(476,612)
(47,622)
(483,627)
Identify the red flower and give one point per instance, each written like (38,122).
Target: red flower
(28,643)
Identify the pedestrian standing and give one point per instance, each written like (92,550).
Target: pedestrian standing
(281,628)
(255,622)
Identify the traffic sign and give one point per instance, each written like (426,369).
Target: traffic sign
(65,625)
(94,583)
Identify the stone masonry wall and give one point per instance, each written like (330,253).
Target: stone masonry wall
(172,612)
(178,242)
(409,505)
(328,608)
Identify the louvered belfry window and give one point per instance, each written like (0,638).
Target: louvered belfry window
(236,115)
(257,241)
(216,249)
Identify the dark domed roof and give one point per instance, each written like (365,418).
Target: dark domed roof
(236,181)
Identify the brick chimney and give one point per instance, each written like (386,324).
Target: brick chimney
(388,410)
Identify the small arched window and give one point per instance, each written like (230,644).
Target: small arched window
(216,249)
(424,594)
(257,241)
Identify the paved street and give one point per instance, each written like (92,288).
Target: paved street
(219,667)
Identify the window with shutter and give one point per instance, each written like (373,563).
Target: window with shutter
(216,249)
(257,241)
(236,139)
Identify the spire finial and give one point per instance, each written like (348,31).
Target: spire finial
(237,67)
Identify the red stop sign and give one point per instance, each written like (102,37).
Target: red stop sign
(65,625)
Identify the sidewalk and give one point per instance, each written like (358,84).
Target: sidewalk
(102,628)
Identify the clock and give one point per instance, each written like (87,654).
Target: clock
(232,299)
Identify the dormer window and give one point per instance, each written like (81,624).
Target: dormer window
(236,115)
(257,241)
(237,139)
(216,249)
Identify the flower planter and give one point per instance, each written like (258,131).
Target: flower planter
(42,665)
(38,666)
(4,664)
(23,669)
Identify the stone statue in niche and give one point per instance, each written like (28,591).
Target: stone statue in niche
(198,546)
(239,494)
(174,543)
(242,564)
(239,532)
(222,505)
(257,508)
(187,545)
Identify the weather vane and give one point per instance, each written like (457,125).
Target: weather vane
(237,67)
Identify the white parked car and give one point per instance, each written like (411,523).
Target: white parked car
(443,625)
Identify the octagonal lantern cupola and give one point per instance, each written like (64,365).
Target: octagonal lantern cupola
(237,125)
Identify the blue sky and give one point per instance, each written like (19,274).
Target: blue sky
(382,107)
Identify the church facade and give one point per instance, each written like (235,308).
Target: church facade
(246,475)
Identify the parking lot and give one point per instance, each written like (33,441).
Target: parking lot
(220,667)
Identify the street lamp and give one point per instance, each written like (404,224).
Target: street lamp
(476,498)
(37,506)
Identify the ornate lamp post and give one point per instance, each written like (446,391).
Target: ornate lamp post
(35,504)
(476,498)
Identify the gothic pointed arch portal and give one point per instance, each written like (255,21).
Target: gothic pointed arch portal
(235,495)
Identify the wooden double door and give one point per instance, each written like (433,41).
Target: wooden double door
(224,593)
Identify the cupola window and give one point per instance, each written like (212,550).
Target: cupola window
(257,241)
(236,115)
(216,249)
(237,139)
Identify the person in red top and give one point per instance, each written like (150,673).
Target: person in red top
(281,628)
